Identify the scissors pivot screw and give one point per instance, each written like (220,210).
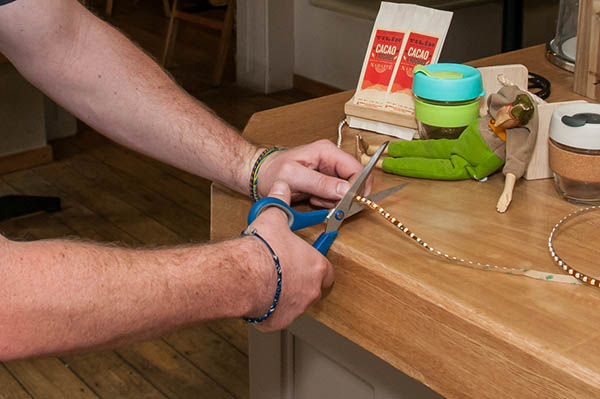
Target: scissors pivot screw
(339,215)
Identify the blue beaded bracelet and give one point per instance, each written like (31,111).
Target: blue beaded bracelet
(252,232)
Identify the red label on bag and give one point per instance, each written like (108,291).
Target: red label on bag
(382,58)
(419,50)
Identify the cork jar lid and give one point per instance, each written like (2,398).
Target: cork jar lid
(576,125)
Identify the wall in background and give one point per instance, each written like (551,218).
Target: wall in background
(279,38)
(21,113)
(330,46)
(28,119)
(539,21)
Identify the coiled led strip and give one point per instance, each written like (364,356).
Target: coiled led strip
(561,263)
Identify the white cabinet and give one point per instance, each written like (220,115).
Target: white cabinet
(310,361)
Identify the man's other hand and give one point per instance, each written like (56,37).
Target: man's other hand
(319,171)
(305,272)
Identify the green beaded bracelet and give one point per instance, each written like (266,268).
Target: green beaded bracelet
(256,167)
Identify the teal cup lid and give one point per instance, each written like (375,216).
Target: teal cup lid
(447,82)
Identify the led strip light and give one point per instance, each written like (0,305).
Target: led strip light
(561,263)
(572,278)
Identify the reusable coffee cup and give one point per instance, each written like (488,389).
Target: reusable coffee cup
(446,99)
(574,152)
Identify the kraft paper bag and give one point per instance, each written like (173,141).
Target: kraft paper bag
(403,36)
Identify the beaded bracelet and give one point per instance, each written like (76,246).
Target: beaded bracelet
(252,232)
(256,167)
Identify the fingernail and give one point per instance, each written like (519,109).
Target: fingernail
(342,188)
(278,188)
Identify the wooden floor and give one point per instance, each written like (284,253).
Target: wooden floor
(111,194)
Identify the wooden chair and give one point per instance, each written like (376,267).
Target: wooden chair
(166,6)
(225,26)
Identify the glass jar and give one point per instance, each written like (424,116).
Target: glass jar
(573,183)
(444,119)
(446,99)
(574,152)
(561,50)
(428,132)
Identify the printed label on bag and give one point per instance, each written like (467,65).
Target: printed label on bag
(419,50)
(383,56)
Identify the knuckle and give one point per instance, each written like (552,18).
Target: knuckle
(321,269)
(286,168)
(322,182)
(324,143)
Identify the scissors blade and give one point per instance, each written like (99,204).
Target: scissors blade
(338,214)
(377,197)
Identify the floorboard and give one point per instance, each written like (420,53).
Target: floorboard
(49,378)
(218,358)
(172,372)
(111,377)
(10,387)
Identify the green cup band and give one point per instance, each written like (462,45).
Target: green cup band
(446,115)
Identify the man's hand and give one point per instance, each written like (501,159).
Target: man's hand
(304,270)
(318,170)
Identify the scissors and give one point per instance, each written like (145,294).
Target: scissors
(334,217)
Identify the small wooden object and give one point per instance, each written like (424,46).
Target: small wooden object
(515,73)
(587,65)
(379,115)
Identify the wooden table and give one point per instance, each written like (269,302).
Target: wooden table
(461,332)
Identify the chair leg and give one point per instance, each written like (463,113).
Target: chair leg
(171,37)
(109,7)
(224,43)
(167,8)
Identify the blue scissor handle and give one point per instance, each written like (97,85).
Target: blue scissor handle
(324,241)
(296,220)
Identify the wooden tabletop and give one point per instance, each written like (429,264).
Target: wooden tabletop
(462,332)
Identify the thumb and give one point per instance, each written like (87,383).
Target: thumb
(281,190)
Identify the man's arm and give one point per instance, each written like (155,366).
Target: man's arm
(91,69)
(65,296)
